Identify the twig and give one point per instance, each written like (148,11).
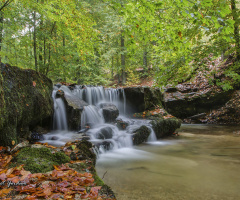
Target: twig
(104,175)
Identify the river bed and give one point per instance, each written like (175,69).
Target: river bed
(202,163)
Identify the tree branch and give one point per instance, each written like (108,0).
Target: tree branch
(5,4)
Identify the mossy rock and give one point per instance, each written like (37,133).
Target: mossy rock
(164,127)
(25,102)
(39,160)
(141,135)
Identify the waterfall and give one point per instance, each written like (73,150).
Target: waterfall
(91,116)
(60,115)
(96,95)
(105,136)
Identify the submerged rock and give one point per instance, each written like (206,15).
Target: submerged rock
(122,125)
(25,102)
(104,133)
(110,112)
(141,135)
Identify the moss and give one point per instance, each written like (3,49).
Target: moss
(98,180)
(39,159)
(164,127)
(141,135)
(25,101)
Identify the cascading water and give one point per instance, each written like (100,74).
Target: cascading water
(91,116)
(96,95)
(104,135)
(60,116)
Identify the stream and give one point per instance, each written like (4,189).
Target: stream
(201,164)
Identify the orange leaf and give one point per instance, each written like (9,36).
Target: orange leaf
(34,83)
(4,192)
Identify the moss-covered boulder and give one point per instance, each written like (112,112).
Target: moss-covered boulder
(25,102)
(140,99)
(39,160)
(164,127)
(141,135)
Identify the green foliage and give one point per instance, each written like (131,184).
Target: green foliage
(81,40)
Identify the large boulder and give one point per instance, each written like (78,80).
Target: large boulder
(25,103)
(110,112)
(164,127)
(74,107)
(141,135)
(140,99)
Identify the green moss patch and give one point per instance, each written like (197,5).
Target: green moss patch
(39,160)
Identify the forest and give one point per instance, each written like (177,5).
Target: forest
(95,42)
(119,99)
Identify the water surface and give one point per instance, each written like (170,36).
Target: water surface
(201,164)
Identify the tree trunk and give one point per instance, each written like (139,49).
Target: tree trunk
(112,67)
(44,52)
(34,41)
(145,64)
(64,61)
(236,27)
(123,61)
(49,58)
(118,73)
(1,33)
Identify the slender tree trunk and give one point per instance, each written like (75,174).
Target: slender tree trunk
(112,66)
(1,33)
(44,52)
(64,60)
(49,58)
(145,64)
(35,41)
(236,27)
(123,61)
(118,73)
(40,56)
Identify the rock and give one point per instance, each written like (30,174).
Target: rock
(170,89)
(58,85)
(139,99)
(39,160)
(122,125)
(35,136)
(104,133)
(110,112)
(184,104)
(141,135)
(74,107)
(106,145)
(84,151)
(25,102)
(164,127)
(229,113)
(54,138)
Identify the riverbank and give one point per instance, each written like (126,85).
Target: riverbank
(42,171)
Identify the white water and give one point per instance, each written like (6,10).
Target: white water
(96,95)
(100,133)
(60,116)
